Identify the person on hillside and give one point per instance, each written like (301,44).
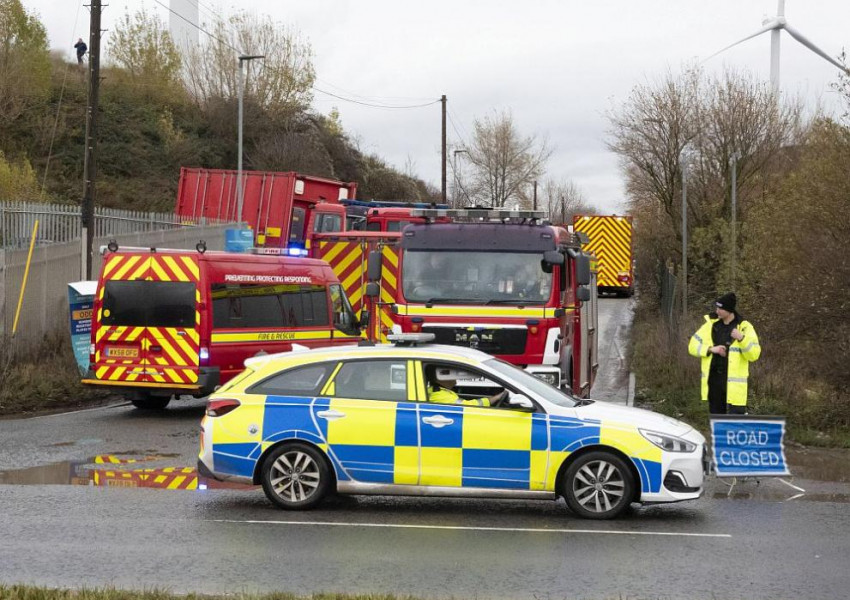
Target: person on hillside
(726,344)
(81,50)
(442,380)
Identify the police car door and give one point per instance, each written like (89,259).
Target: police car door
(371,421)
(481,447)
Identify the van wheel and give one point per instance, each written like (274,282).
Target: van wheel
(295,477)
(148,402)
(598,485)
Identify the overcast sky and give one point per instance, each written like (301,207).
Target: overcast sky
(559,65)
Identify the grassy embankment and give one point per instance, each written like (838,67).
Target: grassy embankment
(43,380)
(667,381)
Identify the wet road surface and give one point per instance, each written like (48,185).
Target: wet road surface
(756,540)
(615,322)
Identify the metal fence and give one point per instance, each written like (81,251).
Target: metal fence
(60,223)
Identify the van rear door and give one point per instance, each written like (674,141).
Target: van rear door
(173,319)
(120,347)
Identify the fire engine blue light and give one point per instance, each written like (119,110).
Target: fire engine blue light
(296,252)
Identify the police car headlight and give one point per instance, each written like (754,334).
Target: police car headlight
(670,443)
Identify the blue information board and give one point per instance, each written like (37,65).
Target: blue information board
(748,446)
(81,303)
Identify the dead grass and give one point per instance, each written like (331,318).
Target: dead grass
(42,380)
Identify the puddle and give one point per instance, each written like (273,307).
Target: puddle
(113,470)
(820,464)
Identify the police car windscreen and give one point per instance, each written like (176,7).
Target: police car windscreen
(434,276)
(149,304)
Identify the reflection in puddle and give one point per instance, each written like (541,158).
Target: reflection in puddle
(95,472)
(767,495)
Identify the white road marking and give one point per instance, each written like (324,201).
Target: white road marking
(76,412)
(466,528)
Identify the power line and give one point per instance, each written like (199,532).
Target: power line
(454,126)
(375,105)
(351,94)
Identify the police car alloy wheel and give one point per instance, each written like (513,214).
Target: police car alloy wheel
(598,485)
(295,476)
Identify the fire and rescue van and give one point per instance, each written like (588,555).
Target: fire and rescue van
(610,240)
(177,322)
(499,281)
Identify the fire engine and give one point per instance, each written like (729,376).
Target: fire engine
(610,240)
(500,281)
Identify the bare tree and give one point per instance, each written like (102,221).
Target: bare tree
(503,161)
(283,80)
(563,200)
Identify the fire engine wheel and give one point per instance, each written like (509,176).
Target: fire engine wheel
(148,402)
(598,485)
(295,476)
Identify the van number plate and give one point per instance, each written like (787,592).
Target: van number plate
(121,352)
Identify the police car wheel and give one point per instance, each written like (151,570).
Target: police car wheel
(598,485)
(295,477)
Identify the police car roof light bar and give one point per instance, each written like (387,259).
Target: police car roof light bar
(411,339)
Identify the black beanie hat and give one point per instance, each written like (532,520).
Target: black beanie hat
(727,302)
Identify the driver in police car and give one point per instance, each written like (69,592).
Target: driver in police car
(442,380)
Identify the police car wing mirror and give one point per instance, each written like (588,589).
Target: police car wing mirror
(520,401)
(373,266)
(553,257)
(583,294)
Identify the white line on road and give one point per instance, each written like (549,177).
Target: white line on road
(465,528)
(76,412)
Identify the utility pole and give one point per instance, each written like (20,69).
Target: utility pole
(90,160)
(534,200)
(443,101)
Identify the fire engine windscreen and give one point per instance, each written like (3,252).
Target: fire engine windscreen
(476,277)
(142,303)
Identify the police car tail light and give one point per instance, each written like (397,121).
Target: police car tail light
(669,443)
(222,406)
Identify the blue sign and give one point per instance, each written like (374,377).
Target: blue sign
(748,446)
(81,304)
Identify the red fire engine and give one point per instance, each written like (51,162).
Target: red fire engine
(499,281)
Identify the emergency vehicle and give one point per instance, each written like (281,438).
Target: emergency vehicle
(283,209)
(362,420)
(500,281)
(610,240)
(380,215)
(173,322)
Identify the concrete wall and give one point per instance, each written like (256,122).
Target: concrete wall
(45,303)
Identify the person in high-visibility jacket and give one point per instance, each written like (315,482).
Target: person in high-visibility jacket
(441,380)
(726,345)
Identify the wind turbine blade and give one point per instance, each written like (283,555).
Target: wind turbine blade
(803,40)
(769,26)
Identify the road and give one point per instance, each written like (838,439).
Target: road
(615,322)
(759,543)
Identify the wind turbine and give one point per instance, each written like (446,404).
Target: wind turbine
(775,26)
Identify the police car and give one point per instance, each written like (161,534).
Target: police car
(360,420)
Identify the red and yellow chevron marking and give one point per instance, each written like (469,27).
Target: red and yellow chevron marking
(170,478)
(611,243)
(149,355)
(348,262)
(389,291)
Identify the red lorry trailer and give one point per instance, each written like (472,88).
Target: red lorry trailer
(283,209)
(502,282)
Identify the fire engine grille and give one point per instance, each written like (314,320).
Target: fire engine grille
(491,341)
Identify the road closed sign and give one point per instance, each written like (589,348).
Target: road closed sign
(748,446)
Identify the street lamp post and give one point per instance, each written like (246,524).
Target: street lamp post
(241,85)
(684,159)
(733,163)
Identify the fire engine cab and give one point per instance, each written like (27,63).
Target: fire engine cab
(504,282)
